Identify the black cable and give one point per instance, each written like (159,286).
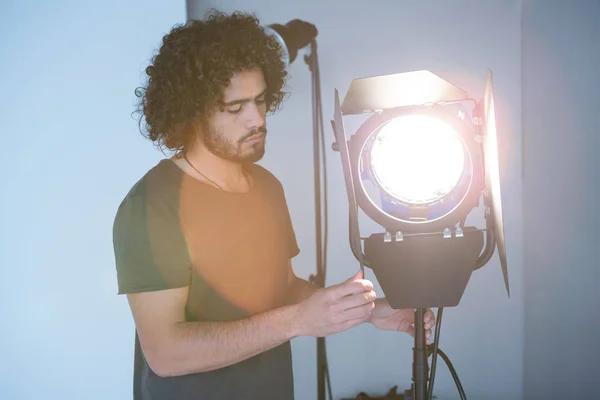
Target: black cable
(436,341)
(461,390)
(434,350)
(327,377)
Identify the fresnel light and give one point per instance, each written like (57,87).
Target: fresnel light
(423,160)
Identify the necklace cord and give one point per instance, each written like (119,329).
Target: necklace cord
(206,177)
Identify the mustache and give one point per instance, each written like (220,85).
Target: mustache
(261,130)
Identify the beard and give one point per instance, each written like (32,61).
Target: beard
(230,150)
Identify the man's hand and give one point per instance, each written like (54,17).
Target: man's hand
(386,318)
(336,308)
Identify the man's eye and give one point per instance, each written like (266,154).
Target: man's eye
(234,110)
(261,100)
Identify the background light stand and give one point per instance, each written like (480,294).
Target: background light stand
(321,235)
(292,37)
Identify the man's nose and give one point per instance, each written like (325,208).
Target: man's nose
(255,116)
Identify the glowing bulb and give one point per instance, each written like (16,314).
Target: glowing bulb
(417,159)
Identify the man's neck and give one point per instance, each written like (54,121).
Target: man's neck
(211,169)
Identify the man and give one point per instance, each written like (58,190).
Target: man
(203,241)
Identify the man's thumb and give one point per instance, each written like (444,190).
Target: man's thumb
(358,275)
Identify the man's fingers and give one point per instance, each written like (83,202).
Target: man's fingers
(411,331)
(346,288)
(351,323)
(362,311)
(356,300)
(429,318)
(429,321)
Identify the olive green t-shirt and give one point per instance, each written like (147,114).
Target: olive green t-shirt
(230,249)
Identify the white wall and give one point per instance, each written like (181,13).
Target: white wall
(561,189)
(70,151)
(459,40)
(67,77)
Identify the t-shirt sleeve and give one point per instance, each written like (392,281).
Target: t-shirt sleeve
(150,251)
(292,242)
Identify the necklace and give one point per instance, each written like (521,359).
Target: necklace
(206,177)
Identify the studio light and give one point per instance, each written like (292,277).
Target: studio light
(293,36)
(423,160)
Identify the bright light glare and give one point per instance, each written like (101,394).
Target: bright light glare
(417,158)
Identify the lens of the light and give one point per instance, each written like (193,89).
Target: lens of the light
(417,159)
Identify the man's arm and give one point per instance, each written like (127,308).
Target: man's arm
(175,347)
(299,289)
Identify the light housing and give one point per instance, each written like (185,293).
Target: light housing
(399,213)
(426,255)
(293,36)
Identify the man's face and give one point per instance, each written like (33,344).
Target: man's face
(238,131)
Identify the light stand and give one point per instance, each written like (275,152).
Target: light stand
(444,272)
(321,237)
(420,363)
(293,36)
(421,263)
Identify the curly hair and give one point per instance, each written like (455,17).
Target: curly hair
(195,63)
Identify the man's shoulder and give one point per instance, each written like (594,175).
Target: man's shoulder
(155,188)
(156,182)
